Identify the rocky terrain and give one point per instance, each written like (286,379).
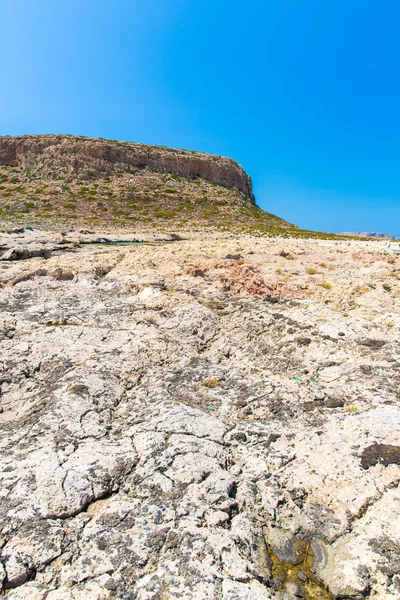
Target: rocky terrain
(210,418)
(55,181)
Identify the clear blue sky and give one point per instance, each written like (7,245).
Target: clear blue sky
(303,93)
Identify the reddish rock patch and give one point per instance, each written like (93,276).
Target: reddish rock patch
(246,280)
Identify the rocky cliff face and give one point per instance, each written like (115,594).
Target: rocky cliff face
(54,182)
(48,156)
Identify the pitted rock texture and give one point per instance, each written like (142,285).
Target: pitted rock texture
(50,155)
(177,424)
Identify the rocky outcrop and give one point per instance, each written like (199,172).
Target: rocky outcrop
(48,156)
(189,421)
(23,253)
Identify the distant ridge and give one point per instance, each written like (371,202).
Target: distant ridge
(368,234)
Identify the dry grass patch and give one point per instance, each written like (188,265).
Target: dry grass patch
(212,382)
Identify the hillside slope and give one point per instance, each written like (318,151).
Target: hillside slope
(54,180)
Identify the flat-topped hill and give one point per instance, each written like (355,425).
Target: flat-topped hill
(52,181)
(49,156)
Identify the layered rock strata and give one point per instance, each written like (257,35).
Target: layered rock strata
(48,156)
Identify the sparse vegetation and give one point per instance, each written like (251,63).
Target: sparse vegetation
(213,382)
(151,319)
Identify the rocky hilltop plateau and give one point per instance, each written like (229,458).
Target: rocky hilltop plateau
(54,181)
(213,418)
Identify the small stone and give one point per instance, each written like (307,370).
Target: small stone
(241,403)
(62,274)
(23,347)
(334,402)
(294,589)
(236,470)
(217,518)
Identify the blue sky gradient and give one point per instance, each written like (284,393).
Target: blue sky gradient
(304,94)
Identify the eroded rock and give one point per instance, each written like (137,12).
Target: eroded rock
(228,443)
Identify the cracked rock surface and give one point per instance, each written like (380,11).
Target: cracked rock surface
(178,424)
